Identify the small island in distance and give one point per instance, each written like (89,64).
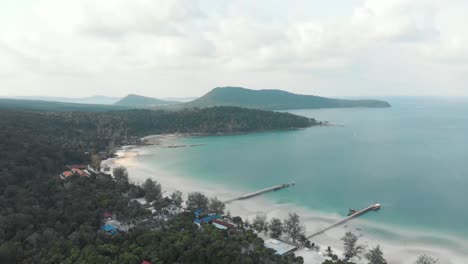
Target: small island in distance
(272,100)
(220,96)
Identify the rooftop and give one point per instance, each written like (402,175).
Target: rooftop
(280,247)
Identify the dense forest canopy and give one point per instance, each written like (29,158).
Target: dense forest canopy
(41,105)
(35,142)
(47,219)
(44,219)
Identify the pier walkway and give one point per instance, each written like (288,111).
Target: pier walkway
(250,195)
(373,207)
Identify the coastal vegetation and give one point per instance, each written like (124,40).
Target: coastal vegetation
(48,219)
(53,106)
(44,219)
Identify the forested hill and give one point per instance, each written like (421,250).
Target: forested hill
(272,100)
(46,106)
(26,135)
(47,220)
(142,101)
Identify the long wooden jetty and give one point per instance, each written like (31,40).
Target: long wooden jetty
(373,207)
(253,194)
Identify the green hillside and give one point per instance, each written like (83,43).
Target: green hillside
(141,101)
(49,106)
(272,100)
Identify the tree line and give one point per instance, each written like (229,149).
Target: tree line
(47,220)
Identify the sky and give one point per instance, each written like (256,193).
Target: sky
(184,48)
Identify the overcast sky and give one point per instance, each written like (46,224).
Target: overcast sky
(184,48)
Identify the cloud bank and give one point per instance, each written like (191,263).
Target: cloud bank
(185,47)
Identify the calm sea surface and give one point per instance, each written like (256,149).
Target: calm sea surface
(412,158)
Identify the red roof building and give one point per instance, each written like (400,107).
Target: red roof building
(79,166)
(145,262)
(222,223)
(66,174)
(69,173)
(80,172)
(107,215)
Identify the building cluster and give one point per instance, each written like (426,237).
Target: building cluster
(112,225)
(78,169)
(213,219)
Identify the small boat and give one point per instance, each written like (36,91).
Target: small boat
(351,212)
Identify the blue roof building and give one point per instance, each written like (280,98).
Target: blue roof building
(207,219)
(110,229)
(197,213)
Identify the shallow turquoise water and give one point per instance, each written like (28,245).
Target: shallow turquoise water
(412,158)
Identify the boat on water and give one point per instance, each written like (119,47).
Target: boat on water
(351,212)
(374,207)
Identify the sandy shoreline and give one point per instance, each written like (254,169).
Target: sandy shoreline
(402,251)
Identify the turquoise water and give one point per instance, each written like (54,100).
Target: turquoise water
(412,158)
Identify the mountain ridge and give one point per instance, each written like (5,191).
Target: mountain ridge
(142,101)
(93,99)
(273,99)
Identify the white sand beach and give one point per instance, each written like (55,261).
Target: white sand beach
(403,250)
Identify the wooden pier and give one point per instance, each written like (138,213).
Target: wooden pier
(373,207)
(271,189)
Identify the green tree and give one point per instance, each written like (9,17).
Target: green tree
(120,174)
(196,200)
(259,223)
(176,198)
(375,256)
(293,227)
(276,228)
(96,162)
(425,259)
(216,206)
(237,220)
(351,248)
(152,190)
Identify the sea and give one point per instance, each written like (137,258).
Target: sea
(412,158)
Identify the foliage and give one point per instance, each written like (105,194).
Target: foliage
(197,201)
(152,190)
(47,220)
(176,198)
(351,248)
(216,206)
(425,259)
(293,227)
(276,228)
(260,223)
(120,174)
(375,256)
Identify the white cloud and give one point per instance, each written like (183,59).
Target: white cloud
(224,43)
(397,20)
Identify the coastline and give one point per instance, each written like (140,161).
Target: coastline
(403,250)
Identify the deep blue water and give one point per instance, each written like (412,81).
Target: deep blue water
(412,158)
